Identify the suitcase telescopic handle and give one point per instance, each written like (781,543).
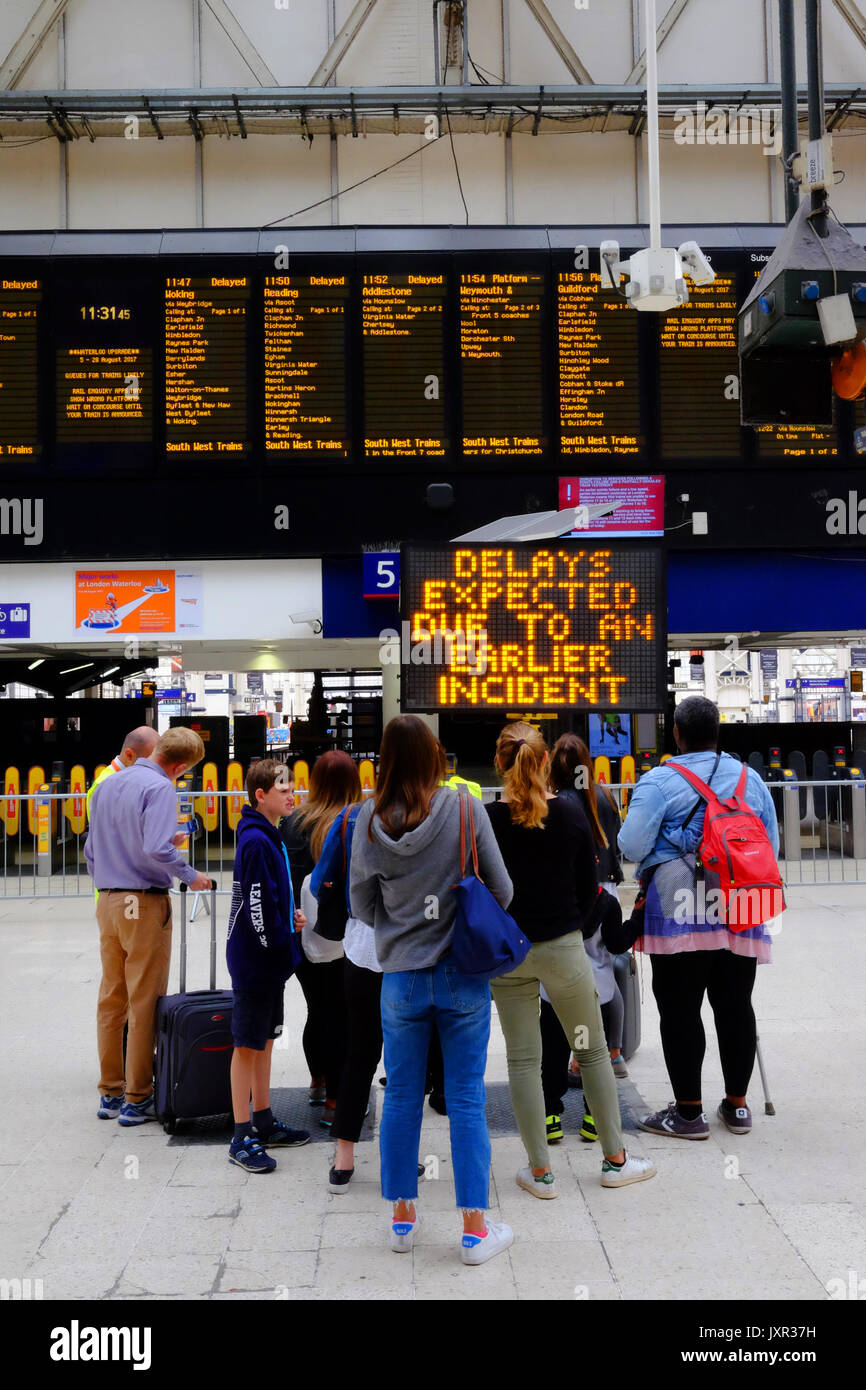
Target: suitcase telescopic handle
(184,889)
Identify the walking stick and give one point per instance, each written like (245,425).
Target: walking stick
(769,1107)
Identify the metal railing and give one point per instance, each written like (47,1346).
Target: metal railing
(822,831)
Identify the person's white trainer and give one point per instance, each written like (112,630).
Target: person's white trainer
(403,1234)
(633,1170)
(476,1250)
(539,1187)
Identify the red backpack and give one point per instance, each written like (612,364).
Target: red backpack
(735,850)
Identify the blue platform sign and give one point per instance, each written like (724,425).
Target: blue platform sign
(815,682)
(14,619)
(382,574)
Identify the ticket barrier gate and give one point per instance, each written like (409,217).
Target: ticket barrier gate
(838,815)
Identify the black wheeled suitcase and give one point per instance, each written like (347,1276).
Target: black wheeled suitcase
(625,974)
(193,1042)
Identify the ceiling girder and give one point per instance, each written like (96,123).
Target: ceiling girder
(30,40)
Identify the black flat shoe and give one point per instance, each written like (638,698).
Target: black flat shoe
(421,1170)
(436,1101)
(339,1179)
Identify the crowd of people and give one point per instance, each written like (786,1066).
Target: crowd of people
(356,898)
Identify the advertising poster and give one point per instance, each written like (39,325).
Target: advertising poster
(138,601)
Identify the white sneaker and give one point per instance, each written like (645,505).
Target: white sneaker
(476,1250)
(403,1234)
(633,1170)
(539,1187)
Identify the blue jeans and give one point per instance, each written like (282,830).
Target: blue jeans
(460,1005)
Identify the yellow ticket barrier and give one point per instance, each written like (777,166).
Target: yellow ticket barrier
(206,804)
(100,767)
(73,807)
(12,808)
(234,803)
(664,758)
(43,830)
(35,779)
(367,774)
(601,768)
(626,776)
(55,805)
(302,780)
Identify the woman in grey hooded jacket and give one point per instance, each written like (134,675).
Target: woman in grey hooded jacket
(405,863)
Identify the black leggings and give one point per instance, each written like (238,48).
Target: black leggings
(324,1038)
(679,982)
(363,991)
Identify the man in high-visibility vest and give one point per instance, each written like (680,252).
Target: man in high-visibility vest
(140,743)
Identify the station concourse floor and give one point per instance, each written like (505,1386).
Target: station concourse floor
(96,1211)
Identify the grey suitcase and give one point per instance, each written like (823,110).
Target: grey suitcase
(625,974)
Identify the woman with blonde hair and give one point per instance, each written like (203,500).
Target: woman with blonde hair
(334,784)
(548,852)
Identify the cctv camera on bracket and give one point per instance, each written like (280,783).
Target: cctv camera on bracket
(656,277)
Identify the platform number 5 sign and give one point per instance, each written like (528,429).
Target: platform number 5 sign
(382,574)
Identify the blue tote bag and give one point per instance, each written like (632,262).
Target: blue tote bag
(487,941)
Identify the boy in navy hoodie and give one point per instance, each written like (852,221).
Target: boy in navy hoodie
(262,951)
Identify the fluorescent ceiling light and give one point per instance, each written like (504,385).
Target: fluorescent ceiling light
(34,664)
(82,667)
(110,672)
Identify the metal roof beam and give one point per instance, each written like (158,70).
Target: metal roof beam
(29,42)
(342,43)
(851,12)
(665,27)
(560,42)
(242,42)
(420,98)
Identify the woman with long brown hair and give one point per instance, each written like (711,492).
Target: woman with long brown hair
(572,776)
(405,863)
(548,851)
(334,784)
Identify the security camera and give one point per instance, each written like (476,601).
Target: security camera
(311,619)
(610,264)
(696,264)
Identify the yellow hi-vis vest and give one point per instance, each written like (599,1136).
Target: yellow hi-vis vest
(106,772)
(455,781)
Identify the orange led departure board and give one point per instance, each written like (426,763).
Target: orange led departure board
(20,301)
(599,387)
(205,363)
(104,380)
(561,627)
(699,373)
(404,367)
(501,355)
(305,354)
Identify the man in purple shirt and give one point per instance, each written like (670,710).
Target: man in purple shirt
(132,857)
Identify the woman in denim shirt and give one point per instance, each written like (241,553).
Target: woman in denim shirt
(691,949)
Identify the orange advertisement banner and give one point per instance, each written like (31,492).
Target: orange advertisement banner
(125,600)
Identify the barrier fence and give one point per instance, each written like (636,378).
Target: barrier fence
(42,836)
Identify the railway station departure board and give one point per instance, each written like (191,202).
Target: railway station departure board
(440,362)
(501,361)
(305,319)
(404,365)
(205,363)
(541,627)
(599,375)
(20,304)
